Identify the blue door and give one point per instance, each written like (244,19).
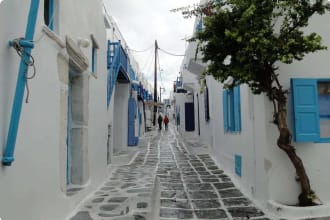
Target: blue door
(189,116)
(132,140)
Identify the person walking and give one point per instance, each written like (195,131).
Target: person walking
(166,120)
(160,121)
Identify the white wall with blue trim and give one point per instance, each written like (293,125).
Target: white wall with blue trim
(35,183)
(226,144)
(266,172)
(119,139)
(315,155)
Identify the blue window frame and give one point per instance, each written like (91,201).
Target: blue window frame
(93,58)
(94,55)
(311,109)
(49,13)
(231,103)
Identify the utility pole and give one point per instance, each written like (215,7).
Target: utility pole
(155,84)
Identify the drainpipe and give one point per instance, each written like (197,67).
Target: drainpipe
(27,44)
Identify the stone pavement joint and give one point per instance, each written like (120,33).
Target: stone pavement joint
(191,186)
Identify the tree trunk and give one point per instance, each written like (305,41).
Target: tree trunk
(307,196)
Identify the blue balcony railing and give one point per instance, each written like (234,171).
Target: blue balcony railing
(123,59)
(113,64)
(117,61)
(131,73)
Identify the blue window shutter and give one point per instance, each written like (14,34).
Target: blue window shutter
(237,109)
(306,112)
(225,110)
(238,165)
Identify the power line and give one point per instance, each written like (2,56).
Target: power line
(160,71)
(147,61)
(141,51)
(151,63)
(172,54)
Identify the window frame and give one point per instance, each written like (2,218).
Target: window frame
(238,165)
(231,103)
(200,24)
(95,47)
(49,13)
(93,59)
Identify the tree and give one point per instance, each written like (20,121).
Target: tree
(254,35)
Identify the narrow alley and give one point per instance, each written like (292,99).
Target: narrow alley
(244,86)
(165,180)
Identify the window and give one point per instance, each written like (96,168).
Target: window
(238,165)
(95,47)
(49,13)
(199,26)
(93,59)
(231,104)
(311,108)
(206,104)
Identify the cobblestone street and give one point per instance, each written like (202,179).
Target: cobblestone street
(188,186)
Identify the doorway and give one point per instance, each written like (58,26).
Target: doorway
(189,116)
(77,129)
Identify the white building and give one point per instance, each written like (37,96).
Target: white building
(126,90)
(62,141)
(242,138)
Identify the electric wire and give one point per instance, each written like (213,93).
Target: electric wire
(141,51)
(149,67)
(147,61)
(160,72)
(172,54)
(42,34)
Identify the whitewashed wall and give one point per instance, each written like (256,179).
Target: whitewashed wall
(267,173)
(118,108)
(120,119)
(34,183)
(314,155)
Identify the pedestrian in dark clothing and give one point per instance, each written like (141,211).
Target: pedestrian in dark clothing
(166,120)
(160,121)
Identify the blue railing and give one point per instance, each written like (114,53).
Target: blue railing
(140,91)
(113,67)
(117,60)
(135,87)
(131,73)
(123,60)
(111,53)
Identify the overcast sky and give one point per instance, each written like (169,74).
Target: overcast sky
(144,21)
